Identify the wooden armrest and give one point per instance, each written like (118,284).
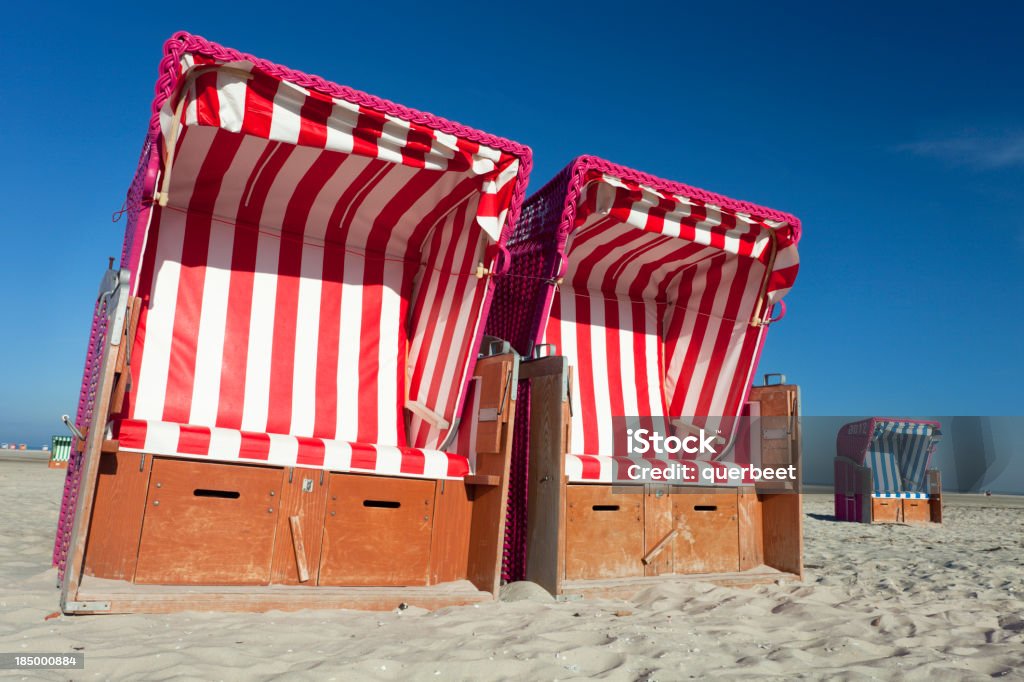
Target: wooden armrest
(483,479)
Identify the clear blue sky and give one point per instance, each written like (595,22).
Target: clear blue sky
(897,135)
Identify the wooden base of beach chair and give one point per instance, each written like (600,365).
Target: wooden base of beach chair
(168,521)
(99,596)
(736,537)
(854,501)
(616,532)
(605,540)
(167,534)
(628,588)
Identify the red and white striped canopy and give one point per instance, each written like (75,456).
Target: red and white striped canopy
(308,257)
(665,298)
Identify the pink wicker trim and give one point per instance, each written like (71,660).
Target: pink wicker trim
(582,165)
(540,232)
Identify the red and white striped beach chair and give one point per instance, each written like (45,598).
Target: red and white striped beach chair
(883,471)
(283,385)
(653,300)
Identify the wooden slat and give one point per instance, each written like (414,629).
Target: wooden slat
(125,597)
(783,532)
(657,549)
(751,529)
(483,479)
(659,528)
(545,524)
(449,541)
(299,547)
(309,506)
(627,588)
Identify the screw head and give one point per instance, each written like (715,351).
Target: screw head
(156,503)
(272,493)
(159,485)
(270,510)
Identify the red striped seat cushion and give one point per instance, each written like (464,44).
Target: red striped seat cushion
(244,447)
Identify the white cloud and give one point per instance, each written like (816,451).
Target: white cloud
(982,153)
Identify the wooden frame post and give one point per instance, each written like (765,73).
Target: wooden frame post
(115,287)
(549,432)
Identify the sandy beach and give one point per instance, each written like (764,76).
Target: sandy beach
(881,602)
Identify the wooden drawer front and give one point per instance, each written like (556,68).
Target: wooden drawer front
(886,510)
(707,540)
(604,533)
(916,511)
(208,524)
(377,531)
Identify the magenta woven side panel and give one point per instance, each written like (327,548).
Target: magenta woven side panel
(182,42)
(513,558)
(523,294)
(83,417)
(586,164)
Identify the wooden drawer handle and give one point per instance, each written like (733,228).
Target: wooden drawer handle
(382,504)
(222,494)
